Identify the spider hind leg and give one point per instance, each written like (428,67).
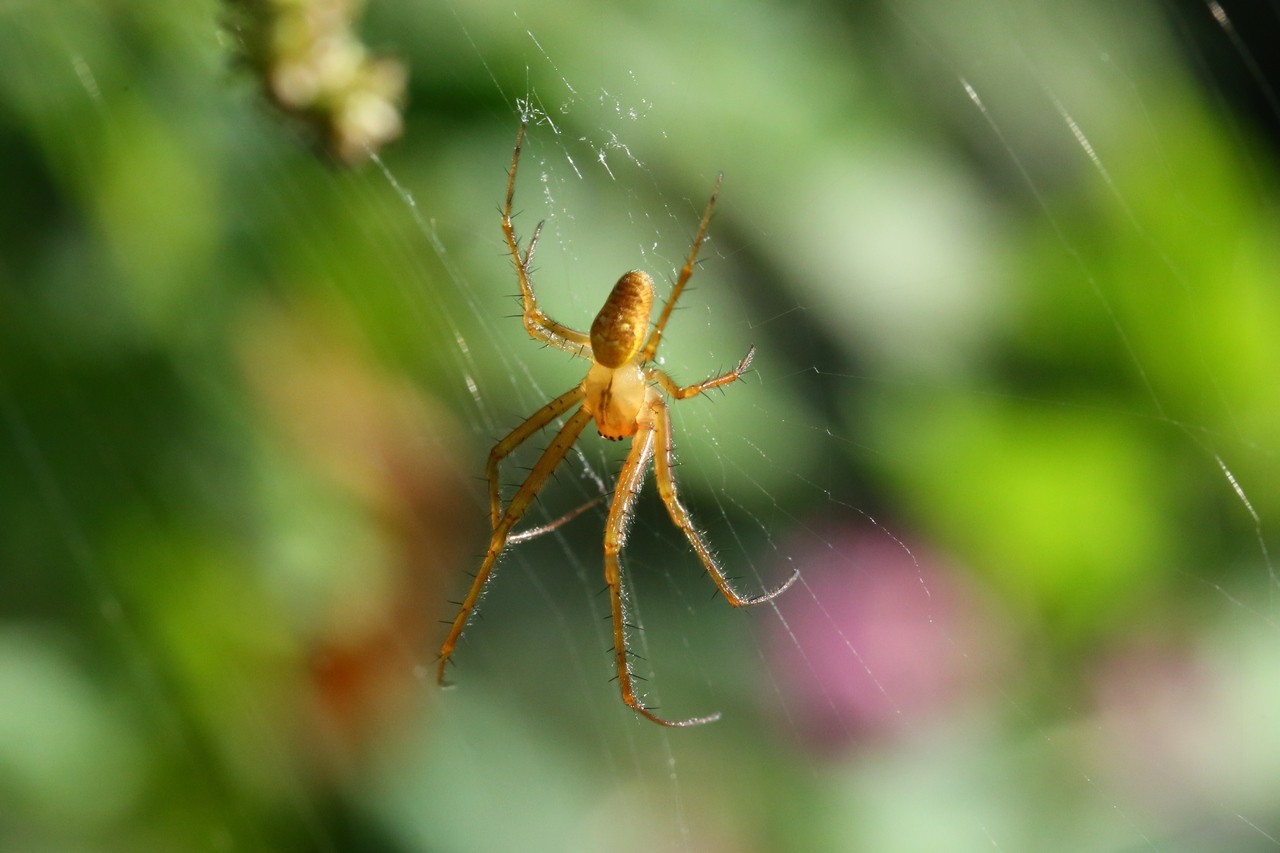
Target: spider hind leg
(686,272)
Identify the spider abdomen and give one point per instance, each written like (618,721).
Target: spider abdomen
(620,328)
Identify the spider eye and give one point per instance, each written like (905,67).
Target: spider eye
(619,329)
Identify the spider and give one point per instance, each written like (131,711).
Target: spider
(624,393)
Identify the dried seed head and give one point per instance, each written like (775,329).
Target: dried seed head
(620,328)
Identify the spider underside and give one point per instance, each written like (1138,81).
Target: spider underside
(623,393)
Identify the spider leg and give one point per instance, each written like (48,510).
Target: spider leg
(524,496)
(683,393)
(670,496)
(535,532)
(655,337)
(615,535)
(518,436)
(539,325)
(533,244)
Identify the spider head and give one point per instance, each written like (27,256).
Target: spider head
(620,328)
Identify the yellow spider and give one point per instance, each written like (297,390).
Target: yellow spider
(623,393)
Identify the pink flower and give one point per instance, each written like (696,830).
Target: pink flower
(888,637)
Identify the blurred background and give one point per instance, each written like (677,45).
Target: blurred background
(1011,273)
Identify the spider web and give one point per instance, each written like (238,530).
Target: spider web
(1009,269)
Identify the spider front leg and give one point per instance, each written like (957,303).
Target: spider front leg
(615,536)
(518,436)
(662,472)
(524,496)
(535,422)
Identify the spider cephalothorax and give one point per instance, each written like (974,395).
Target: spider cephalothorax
(626,396)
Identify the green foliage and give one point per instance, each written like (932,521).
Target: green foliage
(1026,338)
